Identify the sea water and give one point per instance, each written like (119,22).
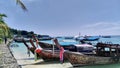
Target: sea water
(114,39)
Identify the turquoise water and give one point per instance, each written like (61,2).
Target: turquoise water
(116,40)
(103,66)
(21,47)
(63,41)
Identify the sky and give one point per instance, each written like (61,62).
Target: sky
(64,17)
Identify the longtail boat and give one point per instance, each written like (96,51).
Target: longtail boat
(100,56)
(44,45)
(69,46)
(45,54)
(48,55)
(80,59)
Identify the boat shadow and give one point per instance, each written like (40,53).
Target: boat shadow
(41,62)
(26,59)
(49,62)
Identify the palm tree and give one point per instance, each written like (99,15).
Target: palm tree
(4,30)
(3,26)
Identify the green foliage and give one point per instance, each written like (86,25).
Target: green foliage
(4,30)
(1,40)
(21,32)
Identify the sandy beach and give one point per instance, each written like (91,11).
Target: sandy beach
(28,62)
(6,58)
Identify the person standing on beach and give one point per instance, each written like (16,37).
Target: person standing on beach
(28,52)
(5,40)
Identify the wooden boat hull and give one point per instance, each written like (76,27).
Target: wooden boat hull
(79,59)
(47,55)
(32,51)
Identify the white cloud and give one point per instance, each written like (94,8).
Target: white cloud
(102,28)
(103,24)
(30,1)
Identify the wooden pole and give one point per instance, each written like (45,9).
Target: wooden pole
(117,50)
(31,41)
(34,37)
(110,50)
(97,51)
(53,48)
(25,44)
(104,53)
(56,42)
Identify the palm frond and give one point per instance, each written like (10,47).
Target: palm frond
(4,29)
(21,4)
(3,15)
(1,18)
